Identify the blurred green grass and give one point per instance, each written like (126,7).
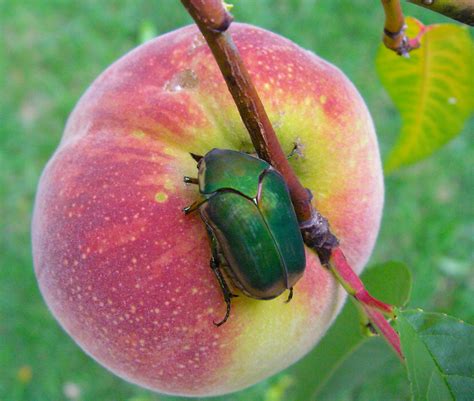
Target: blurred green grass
(51,50)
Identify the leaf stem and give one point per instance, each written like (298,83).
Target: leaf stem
(384,328)
(371,306)
(352,283)
(394,29)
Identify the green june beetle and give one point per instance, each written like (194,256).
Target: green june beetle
(255,239)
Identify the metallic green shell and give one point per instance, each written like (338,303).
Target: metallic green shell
(249,211)
(222,168)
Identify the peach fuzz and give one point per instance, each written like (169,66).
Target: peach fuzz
(122,269)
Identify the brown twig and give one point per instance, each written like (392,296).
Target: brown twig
(394,29)
(213,23)
(461,10)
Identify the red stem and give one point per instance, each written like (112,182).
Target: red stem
(353,284)
(372,307)
(384,328)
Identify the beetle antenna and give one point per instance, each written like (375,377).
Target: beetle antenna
(196,157)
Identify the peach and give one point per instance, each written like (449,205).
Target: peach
(127,274)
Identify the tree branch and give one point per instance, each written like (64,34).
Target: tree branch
(461,10)
(213,20)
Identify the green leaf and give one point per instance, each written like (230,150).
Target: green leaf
(439,352)
(432,89)
(372,359)
(391,282)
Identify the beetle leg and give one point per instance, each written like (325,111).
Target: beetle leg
(190,180)
(218,273)
(290,295)
(225,290)
(193,206)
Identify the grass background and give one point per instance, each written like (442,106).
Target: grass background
(51,50)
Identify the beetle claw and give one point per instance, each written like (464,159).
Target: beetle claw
(193,206)
(227,313)
(290,296)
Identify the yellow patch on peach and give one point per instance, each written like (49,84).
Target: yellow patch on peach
(161,197)
(138,134)
(267,327)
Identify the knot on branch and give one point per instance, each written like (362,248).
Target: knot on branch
(317,235)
